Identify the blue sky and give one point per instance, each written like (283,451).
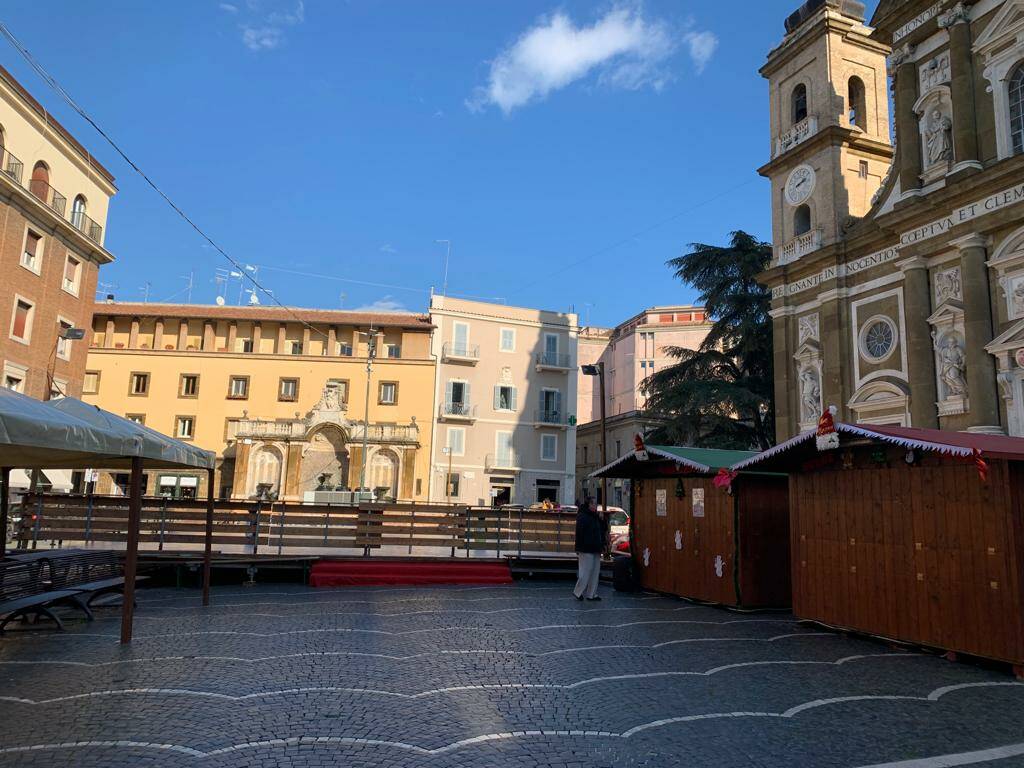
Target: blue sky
(567,149)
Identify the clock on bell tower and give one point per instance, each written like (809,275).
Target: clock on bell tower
(830,147)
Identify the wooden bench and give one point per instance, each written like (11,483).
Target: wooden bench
(40,581)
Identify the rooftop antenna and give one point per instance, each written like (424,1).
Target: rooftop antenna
(221,277)
(447,257)
(145,291)
(341,299)
(189,282)
(104,288)
(587,307)
(240,276)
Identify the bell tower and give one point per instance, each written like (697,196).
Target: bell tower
(830,136)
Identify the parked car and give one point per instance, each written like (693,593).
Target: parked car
(618,528)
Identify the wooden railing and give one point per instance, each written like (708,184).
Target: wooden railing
(253,527)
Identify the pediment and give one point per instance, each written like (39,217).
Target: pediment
(1010,339)
(1004,28)
(809,350)
(950,309)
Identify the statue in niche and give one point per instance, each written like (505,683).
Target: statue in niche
(1018,299)
(947,285)
(938,138)
(810,395)
(953,365)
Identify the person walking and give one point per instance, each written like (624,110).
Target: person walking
(591,534)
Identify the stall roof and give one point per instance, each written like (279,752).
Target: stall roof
(68,434)
(705,460)
(157,450)
(936,440)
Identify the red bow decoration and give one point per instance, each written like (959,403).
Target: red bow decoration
(981,465)
(724,478)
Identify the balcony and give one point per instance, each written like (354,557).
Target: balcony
(799,246)
(798,134)
(11,166)
(460,353)
(554,361)
(49,196)
(457,412)
(87,226)
(263,428)
(385,433)
(550,418)
(502,462)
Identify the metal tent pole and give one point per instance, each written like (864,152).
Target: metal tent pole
(131,556)
(208,537)
(5,490)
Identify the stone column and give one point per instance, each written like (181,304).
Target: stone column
(242,451)
(332,341)
(257,337)
(292,473)
(833,331)
(965,129)
(183,334)
(907,127)
(981,370)
(158,333)
(133,334)
(108,334)
(785,422)
(209,336)
(282,331)
(232,335)
(305,339)
(920,352)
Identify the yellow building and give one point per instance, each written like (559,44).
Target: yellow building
(279,395)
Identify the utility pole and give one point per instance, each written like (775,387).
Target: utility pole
(371,352)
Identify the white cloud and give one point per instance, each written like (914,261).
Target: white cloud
(384,304)
(623,47)
(228,7)
(701,46)
(267,22)
(388,248)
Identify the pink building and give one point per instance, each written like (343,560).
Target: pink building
(631,352)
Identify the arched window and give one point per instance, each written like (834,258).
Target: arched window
(802,220)
(1017,109)
(855,104)
(799,103)
(78,211)
(39,185)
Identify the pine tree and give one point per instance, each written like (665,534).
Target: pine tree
(721,395)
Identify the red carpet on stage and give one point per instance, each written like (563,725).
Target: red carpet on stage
(349,573)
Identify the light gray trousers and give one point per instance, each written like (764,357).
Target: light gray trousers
(589,574)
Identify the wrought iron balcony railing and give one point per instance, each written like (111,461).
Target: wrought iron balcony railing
(501,462)
(550,416)
(48,195)
(11,166)
(554,360)
(87,226)
(460,352)
(458,411)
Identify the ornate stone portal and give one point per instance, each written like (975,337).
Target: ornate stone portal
(288,459)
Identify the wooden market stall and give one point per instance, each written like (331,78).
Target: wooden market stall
(910,534)
(699,532)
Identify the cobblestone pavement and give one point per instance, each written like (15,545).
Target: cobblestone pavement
(522,675)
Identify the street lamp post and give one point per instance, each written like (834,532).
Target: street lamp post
(597,369)
(371,352)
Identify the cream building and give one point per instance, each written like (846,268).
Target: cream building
(898,278)
(279,395)
(631,352)
(506,403)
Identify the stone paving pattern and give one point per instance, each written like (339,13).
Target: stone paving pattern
(522,675)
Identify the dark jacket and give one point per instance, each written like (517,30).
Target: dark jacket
(591,532)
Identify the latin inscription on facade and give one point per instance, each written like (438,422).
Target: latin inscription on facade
(922,18)
(942,226)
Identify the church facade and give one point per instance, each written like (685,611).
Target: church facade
(898,271)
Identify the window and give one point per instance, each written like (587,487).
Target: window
(453,485)
(799,103)
(547,490)
(877,339)
(72,272)
(188,385)
(296,347)
(456,398)
(1017,109)
(39,184)
(245,345)
(393,350)
(78,213)
(388,393)
(585,455)
(138,384)
(618,448)
(32,253)
(138,418)
(91,383)
(185,427)
(550,406)
(63,345)
(862,169)
(801,220)
(21,320)
(503,449)
(505,398)
(855,104)
(507,343)
(15,376)
(238,388)
(665,318)
(288,390)
(460,339)
(344,349)
(456,441)
(549,447)
(58,389)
